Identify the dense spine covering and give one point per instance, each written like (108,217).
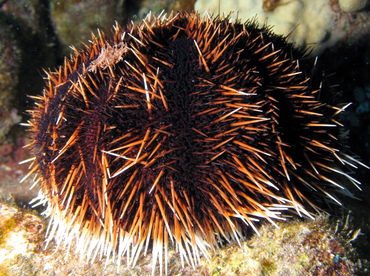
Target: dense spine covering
(182,130)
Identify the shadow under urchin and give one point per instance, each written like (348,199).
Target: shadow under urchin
(182,130)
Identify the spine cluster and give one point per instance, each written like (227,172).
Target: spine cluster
(182,130)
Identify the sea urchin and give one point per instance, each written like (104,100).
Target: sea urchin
(183,130)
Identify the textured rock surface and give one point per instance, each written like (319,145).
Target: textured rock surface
(352,5)
(317,23)
(296,248)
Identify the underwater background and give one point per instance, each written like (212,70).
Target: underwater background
(37,35)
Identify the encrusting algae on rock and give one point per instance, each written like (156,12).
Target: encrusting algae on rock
(184,131)
(352,5)
(319,24)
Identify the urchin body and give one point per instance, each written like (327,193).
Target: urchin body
(181,130)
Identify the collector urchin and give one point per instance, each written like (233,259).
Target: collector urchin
(185,131)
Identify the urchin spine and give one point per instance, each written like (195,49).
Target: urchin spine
(177,129)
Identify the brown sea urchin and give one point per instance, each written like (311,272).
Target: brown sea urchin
(182,130)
